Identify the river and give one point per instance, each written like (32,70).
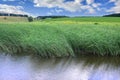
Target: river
(82,68)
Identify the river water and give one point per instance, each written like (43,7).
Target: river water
(82,68)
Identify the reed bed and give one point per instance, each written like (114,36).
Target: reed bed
(60,38)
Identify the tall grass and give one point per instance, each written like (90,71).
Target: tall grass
(58,39)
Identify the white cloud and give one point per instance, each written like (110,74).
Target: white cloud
(78,1)
(71,6)
(96,5)
(116,8)
(112,0)
(21,2)
(49,13)
(11,9)
(58,10)
(89,9)
(90,1)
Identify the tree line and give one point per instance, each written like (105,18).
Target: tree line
(45,17)
(112,15)
(15,15)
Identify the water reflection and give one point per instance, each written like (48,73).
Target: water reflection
(14,68)
(82,68)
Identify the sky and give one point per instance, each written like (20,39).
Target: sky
(60,7)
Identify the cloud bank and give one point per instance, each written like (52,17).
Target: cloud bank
(61,6)
(11,9)
(71,6)
(116,8)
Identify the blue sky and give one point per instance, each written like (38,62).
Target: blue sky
(60,7)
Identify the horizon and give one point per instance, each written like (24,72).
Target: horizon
(70,8)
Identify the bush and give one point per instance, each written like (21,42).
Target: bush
(30,19)
(5,18)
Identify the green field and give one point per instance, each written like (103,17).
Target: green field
(88,19)
(62,37)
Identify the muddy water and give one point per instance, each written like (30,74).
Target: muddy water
(82,68)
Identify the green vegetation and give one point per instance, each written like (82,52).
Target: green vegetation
(88,19)
(30,19)
(62,37)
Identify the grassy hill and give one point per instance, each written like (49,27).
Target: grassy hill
(13,19)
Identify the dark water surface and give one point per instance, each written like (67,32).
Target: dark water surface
(82,68)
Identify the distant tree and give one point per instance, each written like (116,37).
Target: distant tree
(30,19)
